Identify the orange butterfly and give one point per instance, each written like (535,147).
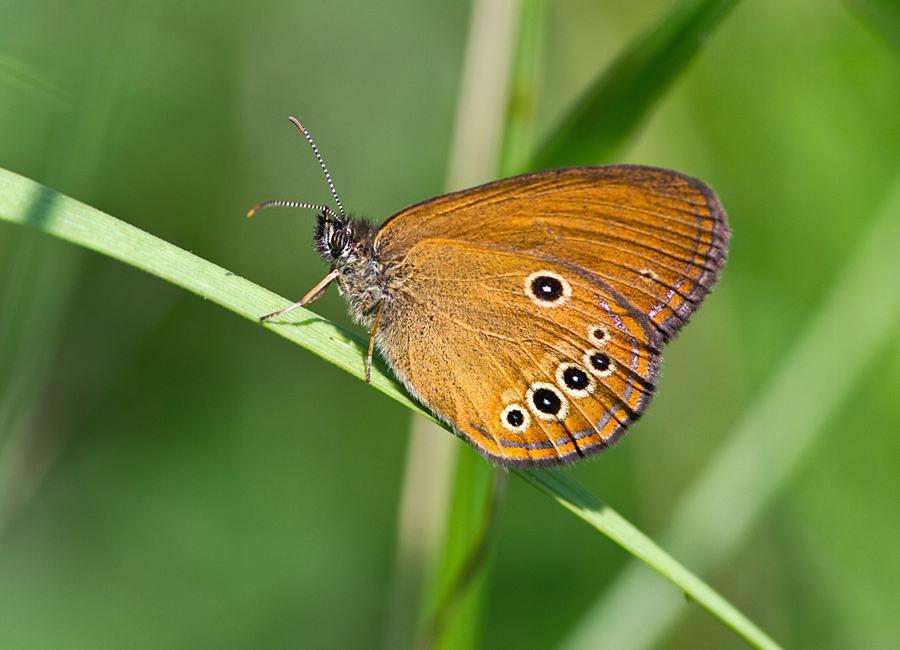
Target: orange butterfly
(529,313)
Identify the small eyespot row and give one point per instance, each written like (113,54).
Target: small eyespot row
(548,402)
(547,289)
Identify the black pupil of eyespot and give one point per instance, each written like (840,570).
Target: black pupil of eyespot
(599,334)
(575,378)
(600,361)
(515,418)
(546,288)
(546,401)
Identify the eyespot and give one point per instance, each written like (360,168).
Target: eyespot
(574,380)
(547,289)
(598,363)
(547,402)
(515,418)
(648,274)
(598,334)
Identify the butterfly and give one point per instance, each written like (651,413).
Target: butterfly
(529,313)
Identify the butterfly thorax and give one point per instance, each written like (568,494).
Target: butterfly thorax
(348,245)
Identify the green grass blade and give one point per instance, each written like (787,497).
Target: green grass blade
(523,88)
(25,202)
(609,112)
(576,498)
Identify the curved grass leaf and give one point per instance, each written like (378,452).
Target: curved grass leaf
(610,111)
(576,498)
(26,202)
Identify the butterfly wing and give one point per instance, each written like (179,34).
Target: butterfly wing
(529,313)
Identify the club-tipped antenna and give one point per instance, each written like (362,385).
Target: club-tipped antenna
(321,162)
(291,204)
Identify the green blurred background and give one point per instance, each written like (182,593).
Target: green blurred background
(173,476)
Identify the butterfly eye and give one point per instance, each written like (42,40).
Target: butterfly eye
(547,289)
(338,241)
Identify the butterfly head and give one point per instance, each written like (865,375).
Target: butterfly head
(347,244)
(342,241)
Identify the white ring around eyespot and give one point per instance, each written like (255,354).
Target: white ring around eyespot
(591,369)
(525,414)
(564,404)
(593,338)
(563,299)
(574,392)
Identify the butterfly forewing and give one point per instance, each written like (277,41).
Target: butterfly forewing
(529,313)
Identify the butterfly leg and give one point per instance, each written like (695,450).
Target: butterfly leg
(372,343)
(312,296)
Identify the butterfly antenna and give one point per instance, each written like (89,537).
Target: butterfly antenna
(321,162)
(291,204)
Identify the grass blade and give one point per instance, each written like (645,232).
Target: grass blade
(576,498)
(26,202)
(612,109)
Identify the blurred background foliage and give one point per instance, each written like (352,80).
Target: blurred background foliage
(173,476)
